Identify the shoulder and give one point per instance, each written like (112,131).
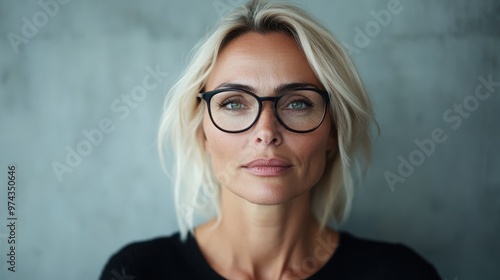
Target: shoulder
(147,259)
(380,260)
(371,249)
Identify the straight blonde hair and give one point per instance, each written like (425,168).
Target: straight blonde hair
(196,190)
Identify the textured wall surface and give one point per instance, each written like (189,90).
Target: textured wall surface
(72,77)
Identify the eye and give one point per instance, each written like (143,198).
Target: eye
(231,104)
(299,104)
(234,105)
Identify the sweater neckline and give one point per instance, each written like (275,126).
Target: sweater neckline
(207,270)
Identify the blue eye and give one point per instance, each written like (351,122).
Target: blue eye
(297,105)
(233,106)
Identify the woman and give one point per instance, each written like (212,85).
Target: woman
(266,123)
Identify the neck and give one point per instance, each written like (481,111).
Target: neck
(268,231)
(262,241)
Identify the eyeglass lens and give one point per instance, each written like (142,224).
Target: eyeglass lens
(299,110)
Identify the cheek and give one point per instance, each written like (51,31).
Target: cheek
(218,145)
(210,139)
(315,158)
(206,133)
(222,159)
(332,134)
(314,151)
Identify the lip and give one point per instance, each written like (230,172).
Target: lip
(267,166)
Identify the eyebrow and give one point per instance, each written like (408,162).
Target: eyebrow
(279,89)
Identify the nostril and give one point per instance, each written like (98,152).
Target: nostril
(264,140)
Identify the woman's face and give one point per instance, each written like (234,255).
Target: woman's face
(290,163)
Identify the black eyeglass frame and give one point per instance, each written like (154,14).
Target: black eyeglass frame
(207,96)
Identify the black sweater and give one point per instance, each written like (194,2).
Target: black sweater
(354,258)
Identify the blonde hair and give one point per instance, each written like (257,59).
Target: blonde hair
(181,122)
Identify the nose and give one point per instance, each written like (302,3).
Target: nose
(267,129)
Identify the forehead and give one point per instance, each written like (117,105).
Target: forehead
(261,61)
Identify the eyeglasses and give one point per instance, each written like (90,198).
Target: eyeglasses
(235,110)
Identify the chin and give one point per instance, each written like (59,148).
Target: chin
(266,194)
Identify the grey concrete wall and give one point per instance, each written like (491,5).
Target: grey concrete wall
(70,74)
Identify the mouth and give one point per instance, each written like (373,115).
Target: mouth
(267,167)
